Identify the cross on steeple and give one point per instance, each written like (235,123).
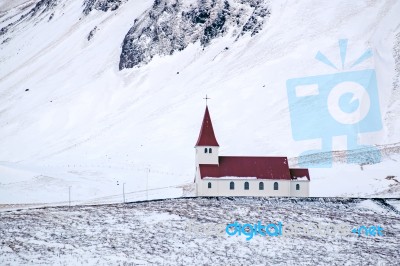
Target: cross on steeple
(206,99)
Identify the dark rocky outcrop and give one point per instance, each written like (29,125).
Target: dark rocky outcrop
(40,8)
(171,25)
(91,33)
(102,5)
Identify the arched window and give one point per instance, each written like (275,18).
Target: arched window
(276,186)
(209,184)
(231,185)
(297,187)
(205,150)
(246,185)
(209,150)
(261,186)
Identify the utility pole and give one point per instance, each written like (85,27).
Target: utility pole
(123,191)
(147,182)
(69,196)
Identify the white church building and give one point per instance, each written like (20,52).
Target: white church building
(243,176)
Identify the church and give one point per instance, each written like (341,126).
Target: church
(243,176)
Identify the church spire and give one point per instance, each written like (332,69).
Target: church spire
(206,136)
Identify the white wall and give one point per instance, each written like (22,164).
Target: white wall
(304,188)
(220,187)
(207,158)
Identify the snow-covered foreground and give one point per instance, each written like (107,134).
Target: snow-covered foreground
(69,117)
(190,232)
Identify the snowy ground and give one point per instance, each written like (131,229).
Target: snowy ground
(97,184)
(190,232)
(70,118)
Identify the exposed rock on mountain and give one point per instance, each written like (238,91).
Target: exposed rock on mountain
(102,5)
(40,8)
(170,26)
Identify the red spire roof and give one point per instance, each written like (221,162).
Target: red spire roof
(206,136)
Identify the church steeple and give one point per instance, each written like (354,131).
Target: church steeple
(207,148)
(207,136)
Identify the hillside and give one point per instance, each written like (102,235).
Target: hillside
(97,93)
(192,231)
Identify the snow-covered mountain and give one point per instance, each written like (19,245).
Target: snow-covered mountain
(97,93)
(170,26)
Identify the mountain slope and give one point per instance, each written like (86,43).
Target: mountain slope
(192,231)
(69,113)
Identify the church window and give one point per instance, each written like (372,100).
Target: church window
(205,150)
(209,150)
(261,186)
(232,185)
(246,185)
(276,186)
(297,187)
(209,184)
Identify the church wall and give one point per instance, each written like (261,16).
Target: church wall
(221,187)
(304,190)
(207,158)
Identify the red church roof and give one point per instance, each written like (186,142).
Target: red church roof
(259,167)
(206,136)
(299,173)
